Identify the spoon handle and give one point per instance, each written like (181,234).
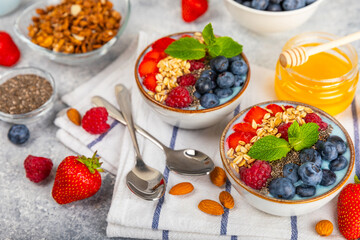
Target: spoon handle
(124,101)
(117,114)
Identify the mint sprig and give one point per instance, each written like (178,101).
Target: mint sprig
(192,49)
(271,148)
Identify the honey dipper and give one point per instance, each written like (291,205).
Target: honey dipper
(297,56)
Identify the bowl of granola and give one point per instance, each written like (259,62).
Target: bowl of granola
(286,158)
(72,32)
(190,83)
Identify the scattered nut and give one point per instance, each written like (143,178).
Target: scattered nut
(181,188)
(218,176)
(211,207)
(324,228)
(74,116)
(226,199)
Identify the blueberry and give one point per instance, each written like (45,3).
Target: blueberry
(223,92)
(247,3)
(328,178)
(293,4)
(235,58)
(225,80)
(305,190)
(209,100)
(290,171)
(239,67)
(310,2)
(209,73)
(203,85)
(282,188)
(219,64)
(273,7)
(328,151)
(260,4)
(338,164)
(310,155)
(276,1)
(339,143)
(310,174)
(18,134)
(239,80)
(319,145)
(197,95)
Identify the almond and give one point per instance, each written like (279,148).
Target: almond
(74,116)
(218,176)
(324,228)
(211,207)
(181,188)
(226,199)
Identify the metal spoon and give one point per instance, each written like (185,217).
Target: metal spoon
(146,182)
(183,161)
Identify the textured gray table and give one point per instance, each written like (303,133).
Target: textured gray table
(27,209)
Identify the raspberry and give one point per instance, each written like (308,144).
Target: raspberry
(178,97)
(94,120)
(283,129)
(196,65)
(314,118)
(256,176)
(37,168)
(186,80)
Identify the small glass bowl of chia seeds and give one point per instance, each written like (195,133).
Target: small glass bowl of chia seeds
(26,94)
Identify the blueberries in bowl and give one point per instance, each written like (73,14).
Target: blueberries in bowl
(282,188)
(305,190)
(310,173)
(276,5)
(310,155)
(290,171)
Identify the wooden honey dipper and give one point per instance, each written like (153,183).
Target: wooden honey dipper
(297,56)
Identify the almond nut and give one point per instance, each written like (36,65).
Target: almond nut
(74,116)
(226,199)
(211,207)
(218,176)
(324,228)
(181,188)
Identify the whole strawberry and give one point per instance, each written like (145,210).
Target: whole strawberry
(348,210)
(77,177)
(9,52)
(95,120)
(37,168)
(193,9)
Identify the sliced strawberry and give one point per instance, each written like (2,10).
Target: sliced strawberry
(147,66)
(274,108)
(233,139)
(150,82)
(193,9)
(256,113)
(185,35)
(162,43)
(244,127)
(155,55)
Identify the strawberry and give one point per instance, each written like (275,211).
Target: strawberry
(243,127)
(155,55)
(77,177)
(234,138)
(256,113)
(162,43)
(348,210)
(274,108)
(9,52)
(148,66)
(150,82)
(193,9)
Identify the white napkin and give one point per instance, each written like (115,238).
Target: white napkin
(177,217)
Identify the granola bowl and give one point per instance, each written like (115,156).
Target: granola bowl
(77,40)
(192,117)
(268,194)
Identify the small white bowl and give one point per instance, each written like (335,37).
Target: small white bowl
(189,119)
(270,22)
(282,207)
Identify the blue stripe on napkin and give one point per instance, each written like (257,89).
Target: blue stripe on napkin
(294,230)
(98,139)
(224,218)
(356,137)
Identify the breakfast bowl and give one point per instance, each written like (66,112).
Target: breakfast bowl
(68,35)
(201,111)
(300,179)
(262,21)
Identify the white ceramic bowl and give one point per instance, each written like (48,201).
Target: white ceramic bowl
(282,207)
(189,119)
(270,22)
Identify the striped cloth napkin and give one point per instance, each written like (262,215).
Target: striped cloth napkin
(177,217)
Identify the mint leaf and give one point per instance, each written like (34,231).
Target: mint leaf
(304,136)
(208,35)
(269,148)
(229,48)
(214,50)
(294,134)
(186,49)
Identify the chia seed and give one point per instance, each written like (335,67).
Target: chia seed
(24,93)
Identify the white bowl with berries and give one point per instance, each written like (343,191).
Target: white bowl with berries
(192,81)
(286,158)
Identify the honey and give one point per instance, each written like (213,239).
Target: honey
(327,80)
